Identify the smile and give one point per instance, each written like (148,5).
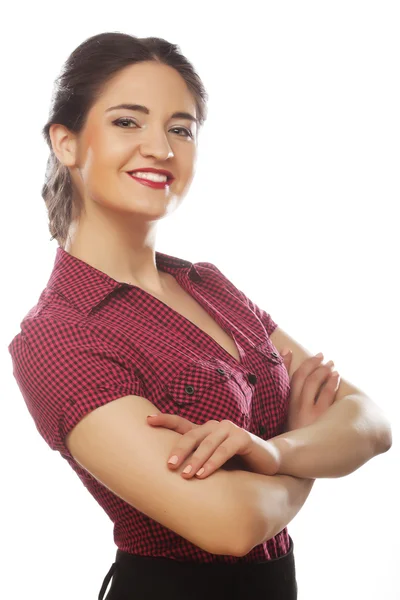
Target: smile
(158,185)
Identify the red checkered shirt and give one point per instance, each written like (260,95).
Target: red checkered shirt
(91,339)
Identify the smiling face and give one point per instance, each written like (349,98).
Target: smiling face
(119,140)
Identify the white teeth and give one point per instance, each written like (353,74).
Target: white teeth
(150,176)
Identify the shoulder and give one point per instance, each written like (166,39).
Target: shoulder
(43,331)
(215,276)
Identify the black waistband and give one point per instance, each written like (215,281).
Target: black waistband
(156,577)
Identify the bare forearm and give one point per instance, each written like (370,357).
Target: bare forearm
(341,441)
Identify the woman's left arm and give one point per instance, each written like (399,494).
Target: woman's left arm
(351,432)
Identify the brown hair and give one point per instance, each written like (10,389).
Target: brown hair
(84,74)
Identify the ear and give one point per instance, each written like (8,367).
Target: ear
(64,144)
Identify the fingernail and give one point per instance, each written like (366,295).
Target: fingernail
(319,355)
(285,351)
(200,471)
(173,460)
(152,416)
(187,469)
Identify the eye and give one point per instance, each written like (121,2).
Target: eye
(126,120)
(129,120)
(187,131)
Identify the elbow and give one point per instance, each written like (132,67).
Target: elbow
(254,531)
(253,538)
(242,545)
(237,534)
(385,440)
(380,427)
(234,543)
(251,526)
(382,437)
(237,523)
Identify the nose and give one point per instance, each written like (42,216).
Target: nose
(156,144)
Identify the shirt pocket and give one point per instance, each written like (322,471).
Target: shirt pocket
(204,391)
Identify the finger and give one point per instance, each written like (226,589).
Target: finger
(313,383)
(189,442)
(328,391)
(234,445)
(173,422)
(301,374)
(211,454)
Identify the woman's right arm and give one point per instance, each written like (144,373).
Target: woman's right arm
(227,513)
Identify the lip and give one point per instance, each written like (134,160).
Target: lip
(157,185)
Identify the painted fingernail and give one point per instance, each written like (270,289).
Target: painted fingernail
(200,471)
(187,469)
(173,460)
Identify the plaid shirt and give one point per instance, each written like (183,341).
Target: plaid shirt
(91,339)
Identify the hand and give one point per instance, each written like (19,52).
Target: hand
(312,391)
(206,446)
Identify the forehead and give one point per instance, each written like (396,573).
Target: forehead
(148,83)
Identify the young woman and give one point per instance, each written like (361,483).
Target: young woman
(122,331)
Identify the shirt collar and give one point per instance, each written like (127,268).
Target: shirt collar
(85,286)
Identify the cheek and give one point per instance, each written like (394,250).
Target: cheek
(97,172)
(104,160)
(186,162)
(105,148)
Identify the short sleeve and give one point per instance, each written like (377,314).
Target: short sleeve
(265,318)
(64,372)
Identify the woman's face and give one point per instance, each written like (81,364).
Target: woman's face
(116,141)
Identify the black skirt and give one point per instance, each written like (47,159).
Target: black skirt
(145,578)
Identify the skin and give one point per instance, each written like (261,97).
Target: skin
(116,230)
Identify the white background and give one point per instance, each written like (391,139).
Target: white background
(295,199)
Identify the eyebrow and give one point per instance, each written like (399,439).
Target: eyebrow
(144,109)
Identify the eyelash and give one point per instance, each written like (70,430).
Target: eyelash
(188,132)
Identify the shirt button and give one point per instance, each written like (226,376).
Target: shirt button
(252,378)
(262,430)
(274,354)
(189,389)
(220,371)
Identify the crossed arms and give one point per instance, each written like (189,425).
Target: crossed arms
(233,510)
